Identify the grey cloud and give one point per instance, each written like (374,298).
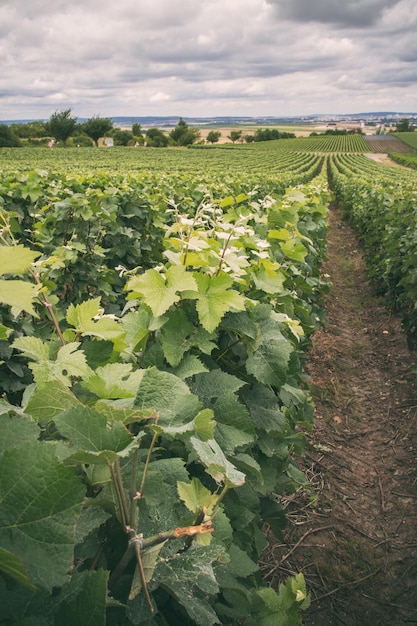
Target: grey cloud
(343,13)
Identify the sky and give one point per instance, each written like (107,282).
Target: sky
(206,58)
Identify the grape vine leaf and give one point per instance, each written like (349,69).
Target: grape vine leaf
(180,335)
(16,431)
(18,294)
(81,317)
(14,567)
(215,298)
(220,469)
(83,599)
(40,501)
(269,363)
(16,259)
(50,399)
(160,291)
(195,495)
(89,434)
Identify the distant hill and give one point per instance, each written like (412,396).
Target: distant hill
(172,120)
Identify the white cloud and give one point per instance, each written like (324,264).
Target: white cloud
(249,57)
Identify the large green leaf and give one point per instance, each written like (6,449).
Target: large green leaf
(40,501)
(211,455)
(16,259)
(179,335)
(160,291)
(269,363)
(50,399)
(14,567)
(93,440)
(81,317)
(215,298)
(83,600)
(16,431)
(114,380)
(18,294)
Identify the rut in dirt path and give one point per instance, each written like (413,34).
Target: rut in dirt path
(354,535)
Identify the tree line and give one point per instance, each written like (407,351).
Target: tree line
(62,127)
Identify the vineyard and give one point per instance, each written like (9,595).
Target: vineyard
(157,310)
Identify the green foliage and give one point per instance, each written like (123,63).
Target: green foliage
(213,136)
(156,138)
(268,134)
(404,126)
(8,139)
(61,125)
(380,204)
(183,135)
(97,127)
(155,433)
(235,135)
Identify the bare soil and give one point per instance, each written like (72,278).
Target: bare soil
(353,533)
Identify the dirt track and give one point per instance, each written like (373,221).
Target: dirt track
(354,534)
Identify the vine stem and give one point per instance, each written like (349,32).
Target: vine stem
(49,308)
(120,495)
(148,459)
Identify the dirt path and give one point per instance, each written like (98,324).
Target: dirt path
(354,534)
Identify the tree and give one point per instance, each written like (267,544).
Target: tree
(183,135)
(404,126)
(61,125)
(155,138)
(31,130)
(97,127)
(7,138)
(235,135)
(137,129)
(121,137)
(213,136)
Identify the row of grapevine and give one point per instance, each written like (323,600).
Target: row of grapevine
(408,138)
(407,160)
(156,324)
(381,203)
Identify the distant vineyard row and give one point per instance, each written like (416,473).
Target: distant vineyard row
(380,202)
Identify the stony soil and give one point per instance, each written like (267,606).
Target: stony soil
(353,535)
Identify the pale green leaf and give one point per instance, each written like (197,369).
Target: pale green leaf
(16,259)
(32,348)
(18,294)
(220,469)
(195,496)
(215,298)
(81,314)
(270,283)
(160,291)
(81,317)
(294,250)
(50,399)
(114,380)
(204,424)
(71,362)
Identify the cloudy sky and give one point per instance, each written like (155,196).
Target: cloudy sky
(206,57)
